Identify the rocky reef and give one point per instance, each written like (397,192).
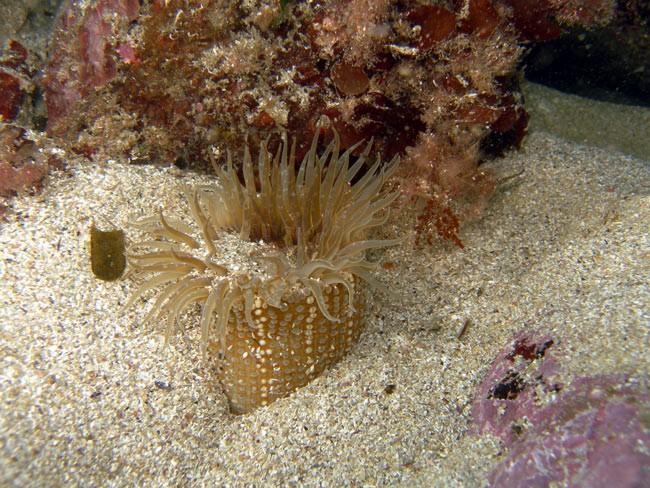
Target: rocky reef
(183,81)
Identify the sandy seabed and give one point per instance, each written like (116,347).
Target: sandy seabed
(89,396)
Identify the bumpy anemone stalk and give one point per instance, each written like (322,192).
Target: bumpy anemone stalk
(281,316)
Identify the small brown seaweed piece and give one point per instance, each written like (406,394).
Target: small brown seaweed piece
(350,80)
(107,253)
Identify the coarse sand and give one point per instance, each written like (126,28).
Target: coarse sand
(614,127)
(89,396)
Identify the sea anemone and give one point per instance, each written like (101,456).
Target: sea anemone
(290,302)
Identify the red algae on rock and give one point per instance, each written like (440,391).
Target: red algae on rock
(12,96)
(182,81)
(349,79)
(16,84)
(436,24)
(23,165)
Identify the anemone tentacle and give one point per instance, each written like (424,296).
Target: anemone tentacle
(275,314)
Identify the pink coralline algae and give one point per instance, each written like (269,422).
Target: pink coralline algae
(85,54)
(591,433)
(22,164)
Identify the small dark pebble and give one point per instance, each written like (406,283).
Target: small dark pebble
(162,385)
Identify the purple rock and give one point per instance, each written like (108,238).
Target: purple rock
(511,387)
(592,433)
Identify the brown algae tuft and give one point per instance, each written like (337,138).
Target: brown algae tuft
(292,302)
